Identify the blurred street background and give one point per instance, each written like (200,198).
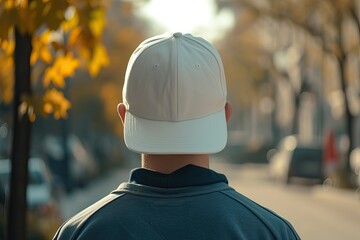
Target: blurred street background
(292,69)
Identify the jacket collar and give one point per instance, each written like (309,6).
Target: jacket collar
(187,176)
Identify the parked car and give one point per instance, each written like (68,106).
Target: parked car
(292,160)
(43,211)
(306,162)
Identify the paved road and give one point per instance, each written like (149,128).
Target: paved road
(315,213)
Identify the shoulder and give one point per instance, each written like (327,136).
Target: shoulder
(278,226)
(72,227)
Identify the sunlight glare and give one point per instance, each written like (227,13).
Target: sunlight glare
(196,16)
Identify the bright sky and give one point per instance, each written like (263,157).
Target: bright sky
(195,16)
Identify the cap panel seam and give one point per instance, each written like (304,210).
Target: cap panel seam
(140,51)
(222,74)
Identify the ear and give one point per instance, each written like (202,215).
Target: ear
(228,111)
(121,109)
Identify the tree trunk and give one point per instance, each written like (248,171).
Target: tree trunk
(345,168)
(345,173)
(17,205)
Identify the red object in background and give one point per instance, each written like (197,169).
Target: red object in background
(330,155)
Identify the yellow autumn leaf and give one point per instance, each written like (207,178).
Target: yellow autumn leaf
(97,21)
(8,47)
(85,53)
(55,103)
(19,4)
(74,36)
(6,22)
(45,55)
(6,79)
(41,48)
(45,36)
(6,70)
(49,75)
(52,75)
(64,66)
(68,65)
(34,57)
(99,59)
(48,108)
(71,19)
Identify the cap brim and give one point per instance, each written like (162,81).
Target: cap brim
(204,135)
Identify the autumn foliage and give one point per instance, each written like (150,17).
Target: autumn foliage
(66,35)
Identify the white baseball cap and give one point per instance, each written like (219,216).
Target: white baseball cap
(175,96)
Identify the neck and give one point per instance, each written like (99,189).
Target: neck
(170,163)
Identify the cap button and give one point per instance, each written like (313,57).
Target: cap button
(177,34)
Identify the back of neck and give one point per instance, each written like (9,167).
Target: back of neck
(170,163)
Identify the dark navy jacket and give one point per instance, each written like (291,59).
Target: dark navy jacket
(190,203)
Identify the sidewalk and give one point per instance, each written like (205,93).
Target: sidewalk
(346,197)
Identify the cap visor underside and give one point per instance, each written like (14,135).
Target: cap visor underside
(203,135)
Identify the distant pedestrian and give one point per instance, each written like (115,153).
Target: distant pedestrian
(175,113)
